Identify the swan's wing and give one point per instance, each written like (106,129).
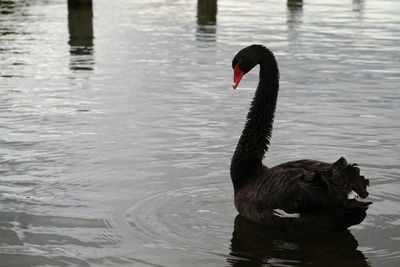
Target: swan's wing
(308,186)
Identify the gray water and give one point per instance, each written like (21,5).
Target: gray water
(116,132)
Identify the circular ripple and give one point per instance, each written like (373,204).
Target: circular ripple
(182,218)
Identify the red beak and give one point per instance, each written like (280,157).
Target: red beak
(237,76)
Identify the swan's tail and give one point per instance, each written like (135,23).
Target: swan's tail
(348,178)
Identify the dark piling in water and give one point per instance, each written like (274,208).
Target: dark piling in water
(206,20)
(79,3)
(80,25)
(80,22)
(206,12)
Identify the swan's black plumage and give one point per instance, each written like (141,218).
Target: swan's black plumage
(317,191)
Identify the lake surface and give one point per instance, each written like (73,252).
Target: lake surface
(116,132)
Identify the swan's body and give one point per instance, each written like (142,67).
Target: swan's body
(304,193)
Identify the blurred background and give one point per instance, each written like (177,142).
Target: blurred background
(118,121)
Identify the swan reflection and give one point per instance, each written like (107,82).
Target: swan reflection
(255,245)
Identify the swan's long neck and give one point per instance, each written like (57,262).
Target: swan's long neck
(255,139)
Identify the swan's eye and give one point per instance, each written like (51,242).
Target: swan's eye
(236,63)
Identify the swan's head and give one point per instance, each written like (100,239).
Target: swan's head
(245,60)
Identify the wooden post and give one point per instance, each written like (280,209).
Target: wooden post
(79,3)
(295,4)
(80,25)
(206,12)
(295,8)
(206,20)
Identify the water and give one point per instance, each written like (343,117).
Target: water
(117,132)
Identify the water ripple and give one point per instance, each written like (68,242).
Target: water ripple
(117,152)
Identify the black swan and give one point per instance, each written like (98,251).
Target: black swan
(306,194)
